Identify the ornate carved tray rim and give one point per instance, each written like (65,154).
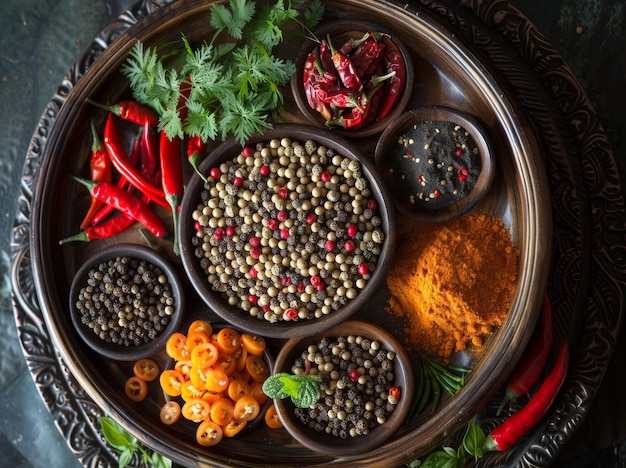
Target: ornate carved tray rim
(76,414)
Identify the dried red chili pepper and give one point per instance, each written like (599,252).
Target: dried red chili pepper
(196,150)
(529,369)
(326,58)
(121,161)
(357,117)
(126,203)
(335,96)
(352,44)
(131,111)
(394,62)
(518,425)
(100,168)
(367,57)
(172,177)
(345,70)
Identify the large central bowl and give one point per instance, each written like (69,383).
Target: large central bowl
(285,328)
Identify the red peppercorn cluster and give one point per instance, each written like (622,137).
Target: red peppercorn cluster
(288,231)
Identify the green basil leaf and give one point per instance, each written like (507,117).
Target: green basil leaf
(125,457)
(115,435)
(159,461)
(441,459)
(474,440)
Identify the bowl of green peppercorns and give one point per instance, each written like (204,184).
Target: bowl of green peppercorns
(344,391)
(288,234)
(125,301)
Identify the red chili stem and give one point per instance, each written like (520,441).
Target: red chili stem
(101,170)
(126,203)
(172,177)
(131,111)
(518,425)
(196,150)
(121,161)
(530,368)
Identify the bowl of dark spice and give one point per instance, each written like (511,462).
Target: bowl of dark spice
(342,392)
(354,77)
(290,234)
(438,162)
(125,301)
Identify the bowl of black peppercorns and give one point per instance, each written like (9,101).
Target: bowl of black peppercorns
(289,234)
(360,388)
(125,301)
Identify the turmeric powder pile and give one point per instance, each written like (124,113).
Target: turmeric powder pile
(453,283)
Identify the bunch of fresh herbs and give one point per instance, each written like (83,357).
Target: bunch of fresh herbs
(228,86)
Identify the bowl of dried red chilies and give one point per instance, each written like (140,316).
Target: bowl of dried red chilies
(125,302)
(353,77)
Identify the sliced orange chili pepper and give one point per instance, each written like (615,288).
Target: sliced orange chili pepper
(253,344)
(246,408)
(271,418)
(221,411)
(136,389)
(198,376)
(196,409)
(204,355)
(184,367)
(197,337)
(216,379)
(256,390)
(228,340)
(227,362)
(189,391)
(237,388)
(171,382)
(209,433)
(146,369)
(234,427)
(240,356)
(200,325)
(257,368)
(212,396)
(170,412)
(176,347)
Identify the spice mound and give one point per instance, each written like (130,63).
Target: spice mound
(126,301)
(287,231)
(435,163)
(453,283)
(356,385)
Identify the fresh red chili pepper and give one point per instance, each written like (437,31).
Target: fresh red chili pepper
(100,168)
(121,161)
(131,111)
(110,228)
(394,62)
(518,425)
(345,70)
(529,370)
(184,91)
(172,177)
(148,152)
(122,182)
(196,150)
(126,203)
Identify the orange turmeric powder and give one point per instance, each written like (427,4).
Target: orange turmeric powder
(453,283)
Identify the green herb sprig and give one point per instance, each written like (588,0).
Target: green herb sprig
(125,443)
(303,390)
(470,447)
(228,86)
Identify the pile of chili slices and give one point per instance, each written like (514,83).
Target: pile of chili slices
(153,168)
(356,84)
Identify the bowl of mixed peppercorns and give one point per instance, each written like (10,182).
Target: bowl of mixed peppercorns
(353,77)
(438,161)
(125,301)
(289,234)
(344,391)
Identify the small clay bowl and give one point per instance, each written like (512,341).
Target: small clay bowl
(118,351)
(235,315)
(341,31)
(328,443)
(417,157)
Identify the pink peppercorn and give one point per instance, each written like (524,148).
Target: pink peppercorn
(311,218)
(290,314)
(351,230)
(215,173)
(349,245)
(265,170)
(363,269)
(329,246)
(283,193)
(326,176)
(247,151)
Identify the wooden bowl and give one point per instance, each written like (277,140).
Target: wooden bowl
(118,351)
(284,328)
(400,162)
(328,443)
(340,31)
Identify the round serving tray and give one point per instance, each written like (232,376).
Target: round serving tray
(583,180)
